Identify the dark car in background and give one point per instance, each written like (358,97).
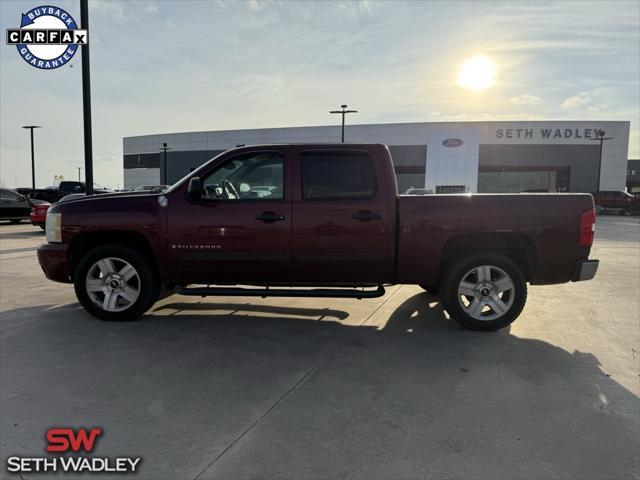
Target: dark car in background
(13,206)
(54,193)
(613,200)
(66,187)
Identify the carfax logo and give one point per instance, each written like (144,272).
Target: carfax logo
(48,37)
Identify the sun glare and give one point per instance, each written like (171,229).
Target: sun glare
(476,73)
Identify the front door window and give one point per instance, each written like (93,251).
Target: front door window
(254,176)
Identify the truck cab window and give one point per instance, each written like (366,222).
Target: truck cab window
(253,176)
(337,175)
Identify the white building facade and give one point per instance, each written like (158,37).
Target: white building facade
(440,157)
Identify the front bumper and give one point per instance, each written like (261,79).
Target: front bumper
(585,270)
(53,261)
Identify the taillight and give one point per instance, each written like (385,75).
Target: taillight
(587,227)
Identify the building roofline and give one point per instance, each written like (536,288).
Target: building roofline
(394,124)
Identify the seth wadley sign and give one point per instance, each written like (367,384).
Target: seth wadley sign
(546,133)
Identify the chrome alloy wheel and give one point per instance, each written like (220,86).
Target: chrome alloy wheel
(486,292)
(112,284)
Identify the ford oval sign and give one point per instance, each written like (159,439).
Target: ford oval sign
(452,142)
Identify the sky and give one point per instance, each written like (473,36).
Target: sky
(175,66)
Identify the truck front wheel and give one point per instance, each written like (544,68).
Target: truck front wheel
(484,292)
(115,283)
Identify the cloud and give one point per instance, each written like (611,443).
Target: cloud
(355,7)
(108,9)
(258,5)
(590,101)
(576,101)
(524,100)
(150,7)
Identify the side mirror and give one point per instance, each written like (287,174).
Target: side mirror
(194,190)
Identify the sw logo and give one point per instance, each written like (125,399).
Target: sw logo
(48,37)
(65,439)
(70,441)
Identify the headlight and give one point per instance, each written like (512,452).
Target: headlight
(53,226)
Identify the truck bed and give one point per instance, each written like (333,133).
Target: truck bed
(431,227)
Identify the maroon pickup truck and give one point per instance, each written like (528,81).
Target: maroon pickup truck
(316,221)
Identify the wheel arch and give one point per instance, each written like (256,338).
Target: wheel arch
(519,248)
(82,243)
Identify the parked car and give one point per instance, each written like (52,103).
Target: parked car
(40,207)
(66,187)
(54,193)
(38,213)
(613,200)
(49,194)
(13,206)
(323,216)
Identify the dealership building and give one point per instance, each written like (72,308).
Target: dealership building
(440,157)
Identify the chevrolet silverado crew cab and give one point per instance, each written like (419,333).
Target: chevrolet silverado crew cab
(315,221)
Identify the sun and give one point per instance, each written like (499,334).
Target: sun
(477,73)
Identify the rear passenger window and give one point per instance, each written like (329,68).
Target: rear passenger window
(337,175)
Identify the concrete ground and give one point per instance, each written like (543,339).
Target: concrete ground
(301,389)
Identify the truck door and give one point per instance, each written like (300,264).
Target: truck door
(240,230)
(340,218)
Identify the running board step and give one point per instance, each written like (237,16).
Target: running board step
(279,292)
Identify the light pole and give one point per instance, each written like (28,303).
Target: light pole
(163,178)
(79,168)
(86,101)
(600,138)
(343,112)
(33,161)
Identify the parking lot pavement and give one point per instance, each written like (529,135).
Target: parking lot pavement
(324,388)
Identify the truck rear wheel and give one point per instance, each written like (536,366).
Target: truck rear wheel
(484,292)
(115,283)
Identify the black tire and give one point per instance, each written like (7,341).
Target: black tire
(42,227)
(149,285)
(453,303)
(432,289)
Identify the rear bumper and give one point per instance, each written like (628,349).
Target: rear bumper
(53,261)
(585,270)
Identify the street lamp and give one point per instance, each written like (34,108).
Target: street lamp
(343,112)
(33,162)
(79,168)
(163,178)
(600,138)
(86,101)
